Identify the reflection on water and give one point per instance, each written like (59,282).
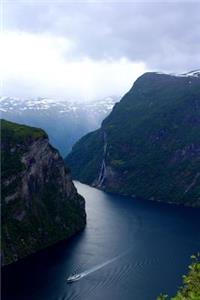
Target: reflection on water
(130,249)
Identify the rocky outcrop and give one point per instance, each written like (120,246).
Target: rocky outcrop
(40,204)
(149,145)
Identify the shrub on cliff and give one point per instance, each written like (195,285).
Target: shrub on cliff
(191,283)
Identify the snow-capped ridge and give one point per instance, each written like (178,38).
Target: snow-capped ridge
(49,105)
(194,73)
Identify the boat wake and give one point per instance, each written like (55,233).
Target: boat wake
(100,266)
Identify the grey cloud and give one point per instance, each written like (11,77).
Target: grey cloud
(165,36)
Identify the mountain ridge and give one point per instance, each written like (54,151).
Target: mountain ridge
(64,121)
(147,155)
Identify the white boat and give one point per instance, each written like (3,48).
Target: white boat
(73,278)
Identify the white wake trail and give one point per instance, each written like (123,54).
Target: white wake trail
(98,267)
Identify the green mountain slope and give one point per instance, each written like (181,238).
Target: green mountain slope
(40,204)
(149,146)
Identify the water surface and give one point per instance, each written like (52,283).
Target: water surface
(130,250)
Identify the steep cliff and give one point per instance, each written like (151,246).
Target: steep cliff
(149,146)
(40,204)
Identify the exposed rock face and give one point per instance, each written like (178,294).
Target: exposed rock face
(149,145)
(40,204)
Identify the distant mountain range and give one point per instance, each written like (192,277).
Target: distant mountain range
(149,145)
(64,121)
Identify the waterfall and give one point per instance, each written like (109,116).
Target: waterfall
(102,173)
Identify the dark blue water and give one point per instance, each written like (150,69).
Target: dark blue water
(130,250)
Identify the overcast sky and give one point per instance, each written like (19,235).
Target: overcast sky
(93,49)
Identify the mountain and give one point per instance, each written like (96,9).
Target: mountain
(64,121)
(149,145)
(40,204)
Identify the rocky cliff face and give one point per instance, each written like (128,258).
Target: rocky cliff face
(149,146)
(40,204)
